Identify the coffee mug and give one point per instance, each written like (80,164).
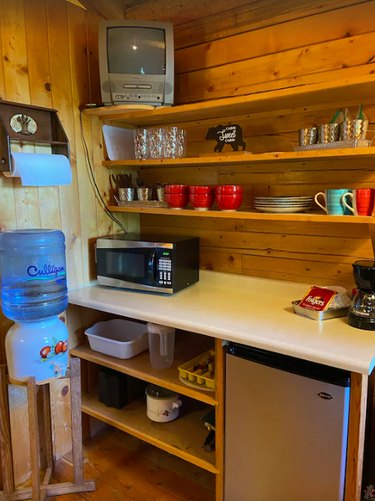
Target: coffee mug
(361,201)
(333,201)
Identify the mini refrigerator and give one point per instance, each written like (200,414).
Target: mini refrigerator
(286,427)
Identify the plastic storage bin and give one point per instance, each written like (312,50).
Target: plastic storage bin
(118,338)
(33,274)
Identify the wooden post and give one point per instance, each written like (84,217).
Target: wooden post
(219,418)
(75,391)
(5,441)
(32,393)
(356,436)
(39,491)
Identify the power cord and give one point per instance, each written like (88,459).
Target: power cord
(92,179)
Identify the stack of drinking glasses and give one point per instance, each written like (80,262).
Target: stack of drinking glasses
(159,142)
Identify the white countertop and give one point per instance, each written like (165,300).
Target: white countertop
(252,311)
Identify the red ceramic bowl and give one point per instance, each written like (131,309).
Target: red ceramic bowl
(176,200)
(229,202)
(228,189)
(202,202)
(202,197)
(176,188)
(201,190)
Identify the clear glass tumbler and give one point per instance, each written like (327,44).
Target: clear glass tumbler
(155,142)
(140,137)
(181,143)
(171,142)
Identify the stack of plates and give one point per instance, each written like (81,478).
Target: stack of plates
(283,204)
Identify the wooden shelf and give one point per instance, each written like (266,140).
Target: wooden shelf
(182,437)
(240,214)
(140,367)
(330,94)
(353,154)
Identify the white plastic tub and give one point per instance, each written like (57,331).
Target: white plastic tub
(118,338)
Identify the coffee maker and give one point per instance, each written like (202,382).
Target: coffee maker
(362,309)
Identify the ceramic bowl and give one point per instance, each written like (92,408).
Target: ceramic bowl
(229,202)
(176,188)
(228,189)
(201,189)
(176,200)
(202,197)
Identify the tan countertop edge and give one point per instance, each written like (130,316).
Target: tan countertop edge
(252,311)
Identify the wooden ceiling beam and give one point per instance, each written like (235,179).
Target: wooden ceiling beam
(108,9)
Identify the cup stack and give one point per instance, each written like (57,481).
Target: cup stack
(159,142)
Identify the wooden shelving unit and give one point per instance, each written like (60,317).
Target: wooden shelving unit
(356,155)
(251,108)
(139,367)
(293,102)
(285,101)
(182,437)
(250,214)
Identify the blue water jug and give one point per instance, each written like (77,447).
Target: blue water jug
(33,274)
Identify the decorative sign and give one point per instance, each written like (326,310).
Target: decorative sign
(226,134)
(23,124)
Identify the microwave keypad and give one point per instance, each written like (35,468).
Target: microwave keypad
(165,271)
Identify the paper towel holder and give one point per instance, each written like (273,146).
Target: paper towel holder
(24,124)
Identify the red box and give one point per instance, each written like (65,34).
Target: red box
(317,299)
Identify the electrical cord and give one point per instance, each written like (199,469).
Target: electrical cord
(92,179)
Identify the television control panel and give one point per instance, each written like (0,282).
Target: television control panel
(136,96)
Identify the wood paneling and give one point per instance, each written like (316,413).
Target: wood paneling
(239,48)
(276,38)
(276,70)
(199,21)
(224,48)
(49,58)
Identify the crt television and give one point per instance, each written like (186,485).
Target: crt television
(136,62)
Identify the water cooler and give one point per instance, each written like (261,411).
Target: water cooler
(34,294)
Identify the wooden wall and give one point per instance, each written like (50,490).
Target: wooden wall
(49,58)
(223,48)
(235,48)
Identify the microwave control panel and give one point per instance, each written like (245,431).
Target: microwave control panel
(164,268)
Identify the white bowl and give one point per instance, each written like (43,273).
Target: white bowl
(118,338)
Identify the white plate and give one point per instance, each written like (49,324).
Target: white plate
(282,209)
(284,206)
(283,199)
(281,204)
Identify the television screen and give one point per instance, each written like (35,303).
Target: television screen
(136,50)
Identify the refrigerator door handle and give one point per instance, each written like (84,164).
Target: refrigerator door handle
(325,395)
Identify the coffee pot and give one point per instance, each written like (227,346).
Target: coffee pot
(362,309)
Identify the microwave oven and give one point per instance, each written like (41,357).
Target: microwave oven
(163,264)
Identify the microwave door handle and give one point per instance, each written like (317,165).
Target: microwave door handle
(152,265)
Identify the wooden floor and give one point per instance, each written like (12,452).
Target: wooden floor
(125,468)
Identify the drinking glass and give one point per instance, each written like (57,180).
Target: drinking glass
(155,142)
(181,143)
(171,139)
(140,137)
